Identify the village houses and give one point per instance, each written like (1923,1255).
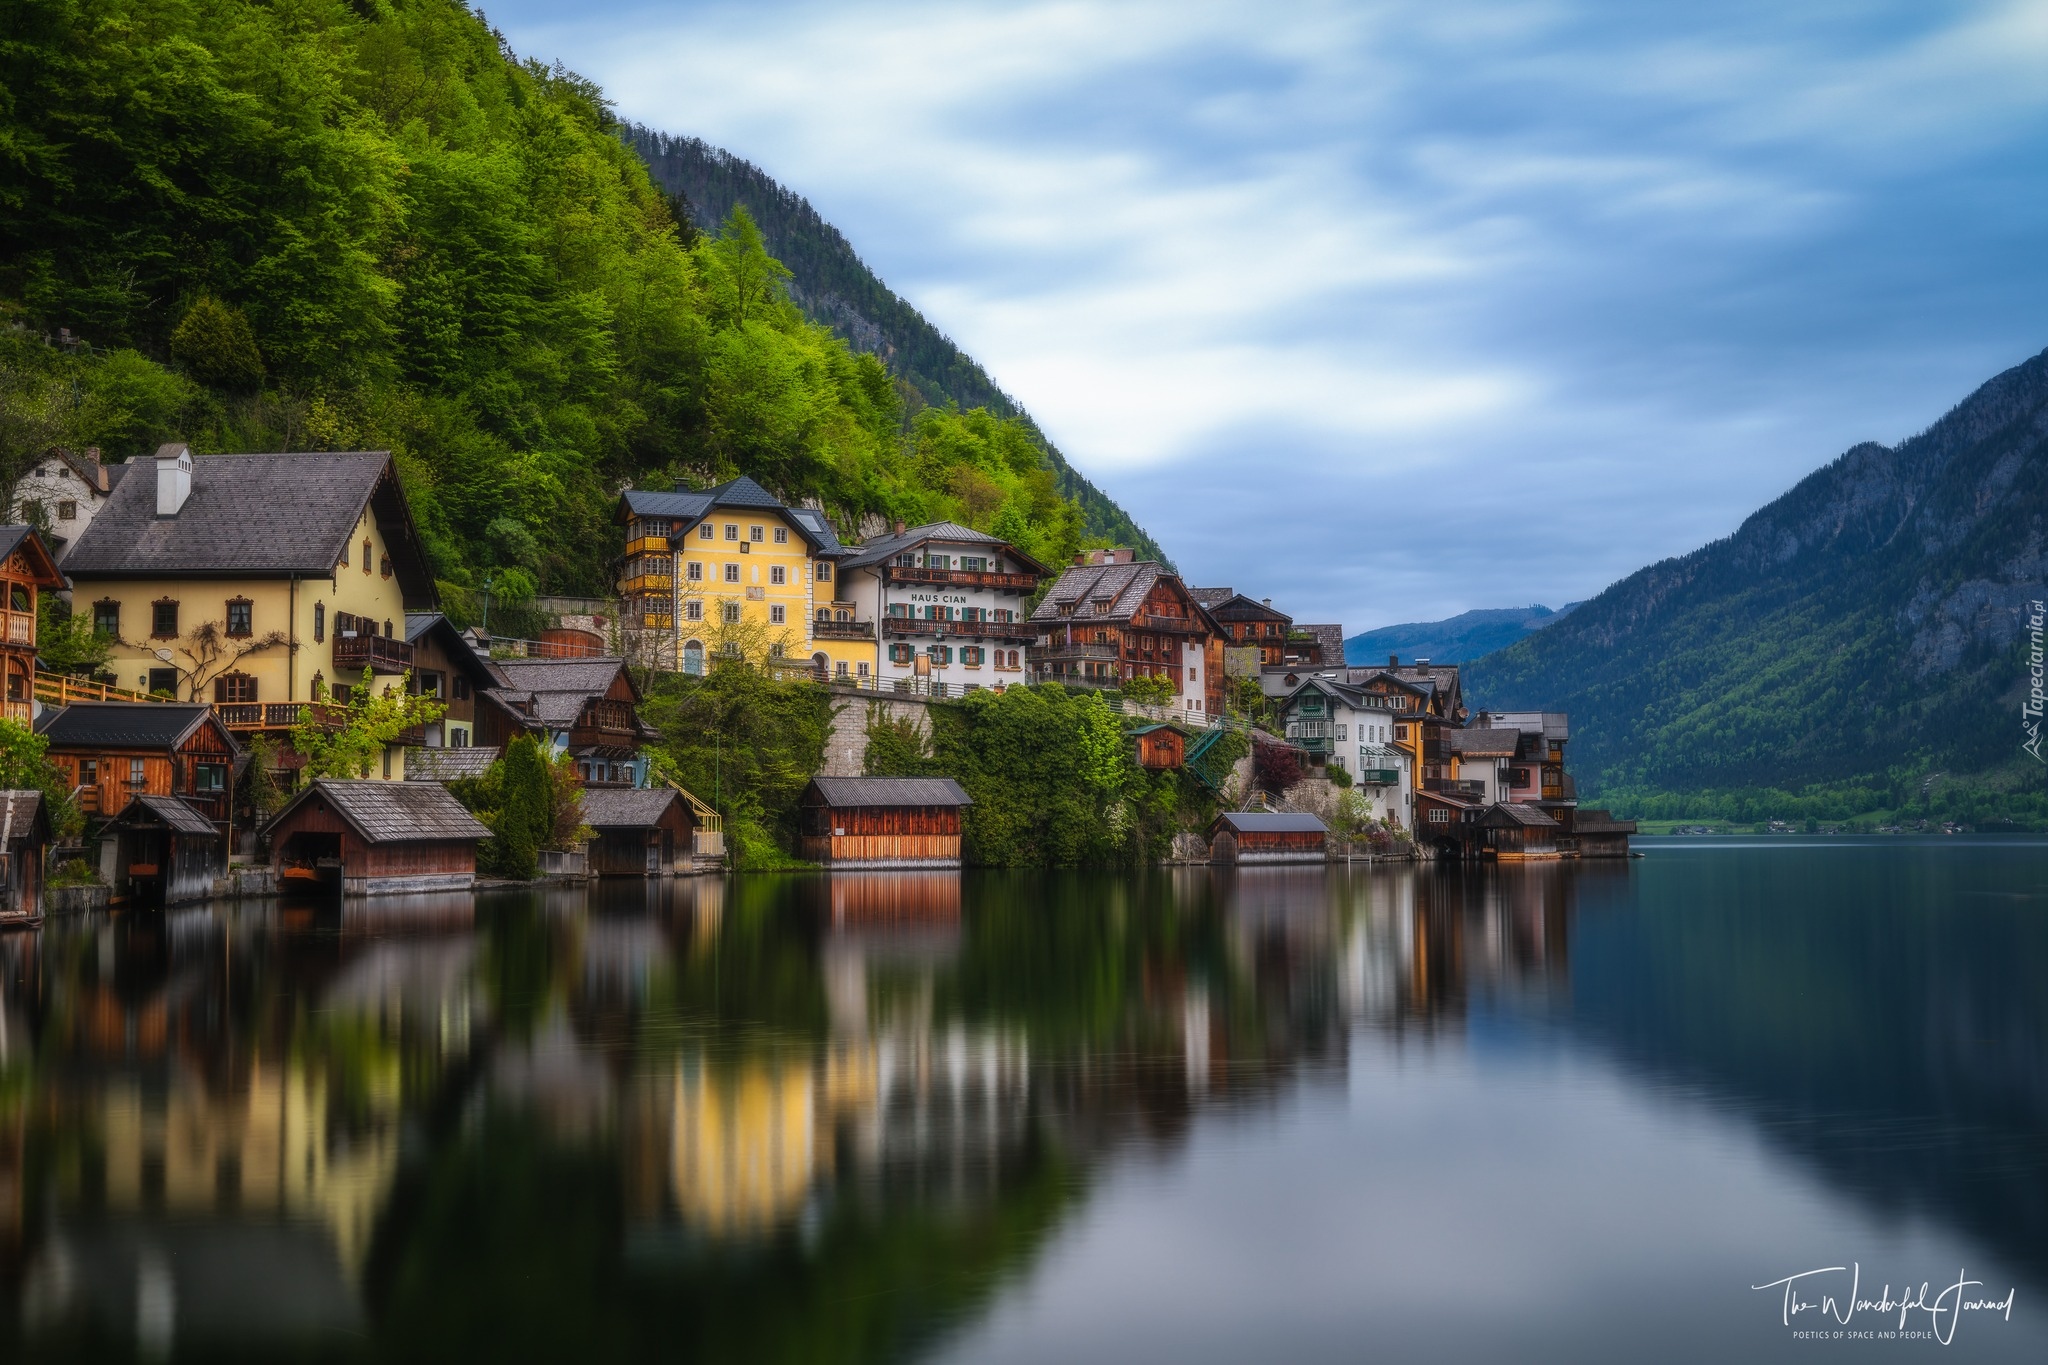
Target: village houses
(1111,618)
(948,602)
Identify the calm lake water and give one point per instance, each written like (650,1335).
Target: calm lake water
(1566,1113)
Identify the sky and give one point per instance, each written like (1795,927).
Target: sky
(1388,311)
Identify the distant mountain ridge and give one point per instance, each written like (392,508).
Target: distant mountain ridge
(1456,640)
(1865,629)
(836,290)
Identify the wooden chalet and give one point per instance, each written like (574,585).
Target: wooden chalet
(162,850)
(1112,619)
(1161,747)
(1257,836)
(1596,834)
(1447,823)
(369,838)
(26,570)
(641,831)
(448,668)
(588,708)
(1513,832)
(114,751)
(1247,623)
(24,839)
(882,822)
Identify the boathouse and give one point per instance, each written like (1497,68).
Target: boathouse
(641,831)
(162,850)
(1161,747)
(113,751)
(370,838)
(1260,836)
(856,822)
(24,836)
(1513,831)
(1597,834)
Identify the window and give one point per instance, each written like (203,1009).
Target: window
(732,531)
(88,772)
(973,563)
(939,654)
(340,692)
(971,655)
(1439,816)
(319,622)
(693,611)
(163,619)
(839,669)
(899,654)
(1013,660)
(367,552)
(384,571)
(704,532)
(229,688)
(782,535)
(240,613)
(67,510)
(426,685)
(138,774)
(907,561)
(729,613)
(775,650)
(860,670)
(777,574)
(458,738)
(210,778)
(693,572)
(732,573)
(754,535)
(824,571)
(777,616)
(461,690)
(106,618)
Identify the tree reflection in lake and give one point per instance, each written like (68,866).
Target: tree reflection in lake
(801,1118)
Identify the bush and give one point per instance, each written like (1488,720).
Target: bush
(72,872)
(1275,767)
(217,347)
(1149,691)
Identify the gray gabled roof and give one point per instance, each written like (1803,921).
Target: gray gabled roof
(1518,813)
(448,765)
(1212,597)
(1272,822)
(557,688)
(821,531)
(389,812)
(1124,585)
(1593,821)
(20,812)
(170,811)
(125,724)
(627,807)
(889,546)
(691,506)
(843,792)
(254,516)
(1483,743)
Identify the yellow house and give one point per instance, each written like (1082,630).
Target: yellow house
(256,583)
(758,580)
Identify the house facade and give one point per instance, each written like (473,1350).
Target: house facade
(732,570)
(588,709)
(1109,619)
(255,583)
(111,752)
(448,668)
(1346,727)
(69,488)
(26,572)
(944,604)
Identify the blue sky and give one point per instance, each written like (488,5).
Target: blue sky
(1390,310)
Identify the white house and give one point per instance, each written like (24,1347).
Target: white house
(1484,756)
(947,603)
(1352,729)
(71,488)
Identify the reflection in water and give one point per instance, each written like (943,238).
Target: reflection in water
(830,1117)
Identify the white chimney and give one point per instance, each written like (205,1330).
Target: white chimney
(173,477)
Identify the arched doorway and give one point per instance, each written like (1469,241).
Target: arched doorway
(693,658)
(821,666)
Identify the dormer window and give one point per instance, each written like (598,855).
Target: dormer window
(1102,605)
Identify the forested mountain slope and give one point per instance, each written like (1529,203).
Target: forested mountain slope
(1860,633)
(336,225)
(833,288)
(1457,639)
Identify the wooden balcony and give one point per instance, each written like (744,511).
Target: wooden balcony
(973,630)
(21,627)
(842,630)
(647,545)
(962,578)
(648,583)
(378,653)
(279,715)
(1077,650)
(1179,625)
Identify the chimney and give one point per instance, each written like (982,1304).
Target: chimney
(1422,663)
(173,477)
(897,527)
(1266,601)
(1393,661)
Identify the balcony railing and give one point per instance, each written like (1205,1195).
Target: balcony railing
(279,715)
(21,627)
(962,578)
(1077,650)
(1183,625)
(647,545)
(1454,786)
(842,630)
(1377,777)
(378,653)
(648,583)
(976,630)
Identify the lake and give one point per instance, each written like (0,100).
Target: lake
(1567,1112)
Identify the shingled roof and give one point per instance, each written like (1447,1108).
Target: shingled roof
(627,807)
(20,811)
(1272,822)
(889,546)
(1483,743)
(1518,813)
(174,813)
(1124,585)
(389,812)
(125,724)
(448,765)
(689,506)
(559,687)
(255,516)
(843,792)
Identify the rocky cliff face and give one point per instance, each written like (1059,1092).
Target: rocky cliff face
(1868,621)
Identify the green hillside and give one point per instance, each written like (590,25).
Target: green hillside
(368,225)
(1858,645)
(1457,639)
(833,288)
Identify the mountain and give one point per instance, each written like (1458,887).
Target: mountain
(1458,640)
(834,289)
(1855,637)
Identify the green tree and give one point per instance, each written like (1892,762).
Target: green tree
(66,643)
(25,766)
(372,721)
(526,815)
(217,347)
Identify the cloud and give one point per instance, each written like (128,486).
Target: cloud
(1325,290)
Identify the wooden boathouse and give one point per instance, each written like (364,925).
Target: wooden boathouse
(1597,834)
(362,837)
(880,822)
(24,837)
(1161,747)
(1514,831)
(641,831)
(162,850)
(1260,836)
